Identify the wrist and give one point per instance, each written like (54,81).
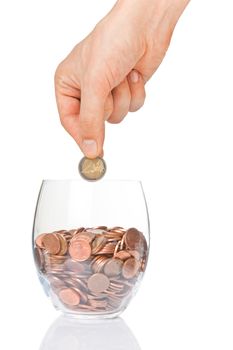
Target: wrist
(151,14)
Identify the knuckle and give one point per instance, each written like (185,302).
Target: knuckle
(86,123)
(57,74)
(89,126)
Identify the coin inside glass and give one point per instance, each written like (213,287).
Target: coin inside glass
(92,169)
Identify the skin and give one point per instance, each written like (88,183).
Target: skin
(104,76)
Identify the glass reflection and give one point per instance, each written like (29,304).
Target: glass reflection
(72,334)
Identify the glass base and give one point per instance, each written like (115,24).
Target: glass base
(96,316)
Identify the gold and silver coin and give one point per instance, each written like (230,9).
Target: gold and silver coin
(92,169)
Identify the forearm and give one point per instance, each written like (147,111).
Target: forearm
(153,10)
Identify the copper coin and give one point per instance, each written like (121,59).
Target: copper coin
(133,239)
(98,263)
(89,236)
(75,266)
(101,228)
(108,249)
(55,282)
(123,255)
(130,268)
(92,169)
(98,303)
(117,247)
(96,231)
(80,250)
(39,258)
(98,283)
(69,296)
(63,243)
(98,243)
(51,243)
(83,296)
(76,230)
(113,267)
(39,240)
(135,254)
(116,228)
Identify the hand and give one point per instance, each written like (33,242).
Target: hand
(104,76)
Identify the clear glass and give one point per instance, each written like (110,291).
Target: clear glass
(91,244)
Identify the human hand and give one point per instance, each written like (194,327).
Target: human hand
(104,76)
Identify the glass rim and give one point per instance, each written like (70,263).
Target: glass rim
(97,181)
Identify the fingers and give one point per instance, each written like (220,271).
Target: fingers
(127,96)
(83,113)
(69,109)
(84,120)
(137,89)
(91,122)
(121,97)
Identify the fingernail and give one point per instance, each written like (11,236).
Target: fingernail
(134,76)
(89,148)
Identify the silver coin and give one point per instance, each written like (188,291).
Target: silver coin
(92,169)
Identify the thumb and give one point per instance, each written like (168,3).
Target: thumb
(91,122)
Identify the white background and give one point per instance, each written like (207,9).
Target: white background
(180,145)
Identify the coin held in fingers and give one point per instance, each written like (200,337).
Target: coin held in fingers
(92,169)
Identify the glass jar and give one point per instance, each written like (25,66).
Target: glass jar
(91,244)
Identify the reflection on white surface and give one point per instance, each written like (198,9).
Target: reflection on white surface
(72,334)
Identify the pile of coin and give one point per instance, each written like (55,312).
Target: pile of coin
(92,269)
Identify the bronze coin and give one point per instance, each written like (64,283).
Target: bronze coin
(98,243)
(98,303)
(39,240)
(39,258)
(56,282)
(98,263)
(51,243)
(135,254)
(116,228)
(130,268)
(98,283)
(76,230)
(113,267)
(80,250)
(89,236)
(123,255)
(108,249)
(63,243)
(96,231)
(69,296)
(101,228)
(133,239)
(83,296)
(92,169)
(75,266)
